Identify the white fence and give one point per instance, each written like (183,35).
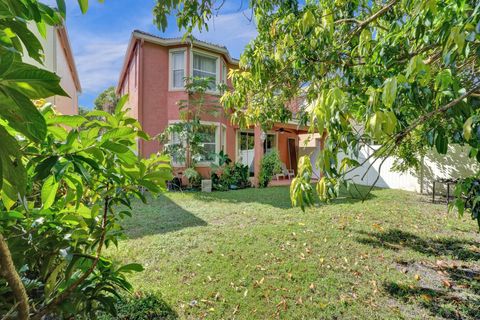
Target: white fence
(455,164)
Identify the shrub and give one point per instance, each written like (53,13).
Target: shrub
(141,307)
(236,174)
(194,178)
(269,166)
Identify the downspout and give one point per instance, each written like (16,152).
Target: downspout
(140,93)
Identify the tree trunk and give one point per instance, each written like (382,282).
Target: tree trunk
(8,271)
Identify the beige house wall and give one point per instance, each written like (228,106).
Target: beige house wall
(56,60)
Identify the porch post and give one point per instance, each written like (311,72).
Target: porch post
(258,154)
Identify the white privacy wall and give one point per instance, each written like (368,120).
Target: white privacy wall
(455,164)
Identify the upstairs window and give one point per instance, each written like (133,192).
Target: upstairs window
(205,67)
(177,65)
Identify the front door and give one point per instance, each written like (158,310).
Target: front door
(292,154)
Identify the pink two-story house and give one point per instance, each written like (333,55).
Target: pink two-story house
(153,75)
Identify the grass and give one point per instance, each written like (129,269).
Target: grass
(248,255)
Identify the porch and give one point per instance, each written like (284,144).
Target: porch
(252,144)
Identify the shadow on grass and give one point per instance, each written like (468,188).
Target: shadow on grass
(161,215)
(141,307)
(440,303)
(278,197)
(395,239)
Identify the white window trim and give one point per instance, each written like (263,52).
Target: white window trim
(217,141)
(170,68)
(217,64)
(224,76)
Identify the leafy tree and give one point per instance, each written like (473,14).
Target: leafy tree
(60,189)
(403,73)
(83,111)
(79,187)
(107,100)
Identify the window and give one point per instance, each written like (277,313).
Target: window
(205,67)
(177,65)
(270,143)
(205,149)
(208,144)
(176,149)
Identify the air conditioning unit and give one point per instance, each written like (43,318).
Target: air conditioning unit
(206,185)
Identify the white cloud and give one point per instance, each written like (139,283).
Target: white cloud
(99,62)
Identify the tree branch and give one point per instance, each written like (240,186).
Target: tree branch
(8,271)
(64,295)
(399,137)
(374,17)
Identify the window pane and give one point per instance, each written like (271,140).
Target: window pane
(178,60)
(208,152)
(206,64)
(205,67)
(208,140)
(177,78)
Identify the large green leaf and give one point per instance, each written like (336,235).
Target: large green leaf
(31,81)
(73,121)
(83,5)
(13,171)
(389,92)
(21,114)
(29,40)
(49,191)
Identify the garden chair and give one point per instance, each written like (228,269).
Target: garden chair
(286,173)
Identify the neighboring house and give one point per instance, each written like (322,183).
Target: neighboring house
(153,75)
(59,59)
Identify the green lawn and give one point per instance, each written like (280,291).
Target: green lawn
(248,255)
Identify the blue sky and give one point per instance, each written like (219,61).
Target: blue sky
(99,39)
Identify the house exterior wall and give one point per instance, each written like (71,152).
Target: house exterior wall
(56,61)
(156,105)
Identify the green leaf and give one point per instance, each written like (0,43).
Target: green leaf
(22,115)
(44,168)
(467,129)
(33,82)
(62,7)
(115,147)
(441,143)
(83,5)
(6,61)
(117,133)
(49,192)
(132,267)
(73,121)
(13,171)
(308,20)
(389,92)
(29,40)
(11,215)
(121,103)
